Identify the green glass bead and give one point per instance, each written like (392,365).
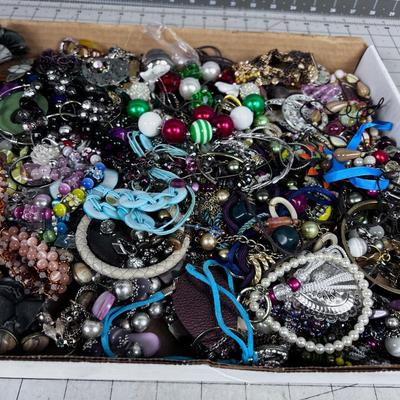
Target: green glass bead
(260,120)
(309,230)
(339,361)
(49,236)
(191,70)
(255,102)
(286,237)
(137,107)
(201,98)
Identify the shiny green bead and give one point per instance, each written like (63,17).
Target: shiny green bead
(191,70)
(276,147)
(203,97)
(49,236)
(309,230)
(286,237)
(260,120)
(137,107)
(255,102)
(339,361)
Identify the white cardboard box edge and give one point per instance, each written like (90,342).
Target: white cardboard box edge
(374,73)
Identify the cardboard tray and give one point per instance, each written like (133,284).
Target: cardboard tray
(348,53)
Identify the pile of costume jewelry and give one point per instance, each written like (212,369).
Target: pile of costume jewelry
(181,205)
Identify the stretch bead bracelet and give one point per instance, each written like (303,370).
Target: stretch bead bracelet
(301,342)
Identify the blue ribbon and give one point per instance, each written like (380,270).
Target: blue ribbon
(339,171)
(248,354)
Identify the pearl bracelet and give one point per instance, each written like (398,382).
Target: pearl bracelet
(358,328)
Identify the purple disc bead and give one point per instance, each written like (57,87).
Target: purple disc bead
(118,133)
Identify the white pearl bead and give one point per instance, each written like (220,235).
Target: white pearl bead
(265,282)
(275,326)
(273,276)
(358,247)
(188,87)
(310,346)
(366,293)
(363,319)
(359,327)
(363,284)
(210,71)
(366,311)
(254,306)
(354,336)
(260,314)
(368,302)
(358,162)
(149,124)
(302,260)
(358,276)
(338,345)
(292,337)
(319,348)
(329,348)
(286,266)
(369,160)
(284,332)
(340,74)
(242,117)
(346,340)
(353,268)
(269,321)
(300,342)
(279,272)
(254,296)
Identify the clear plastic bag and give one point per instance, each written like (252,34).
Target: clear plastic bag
(180,52)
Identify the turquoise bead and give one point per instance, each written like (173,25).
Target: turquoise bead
(286,237)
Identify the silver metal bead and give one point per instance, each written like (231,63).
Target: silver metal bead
(123,290)
(156,310)
(92,329)
(135,351)
(392,323)
(155,285)
(140,322)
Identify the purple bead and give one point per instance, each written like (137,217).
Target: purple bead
(195,186)
(294,284)
(148,341)
(103,305)
(18,212)
(47,213)
(272,296)
(178,183)
(42,200)
(334,128)
(372,343)
(299,203)
(54,175)
(118,133)
(64,188)
(372,193)
(395,305)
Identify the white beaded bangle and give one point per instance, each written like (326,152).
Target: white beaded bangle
(363,318)
(124,273)
(280,200)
